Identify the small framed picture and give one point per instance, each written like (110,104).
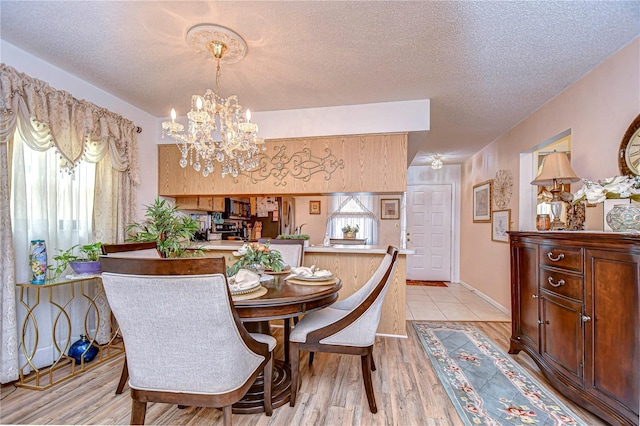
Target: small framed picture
(500,220)
(482,202)
(314,207)
(390,208)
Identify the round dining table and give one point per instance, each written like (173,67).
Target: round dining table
(283,300)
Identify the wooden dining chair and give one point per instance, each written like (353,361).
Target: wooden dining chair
(346,327)
(131,249)
(185,343)
(292,252)
(132,261)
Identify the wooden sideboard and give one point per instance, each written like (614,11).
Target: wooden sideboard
(576,309)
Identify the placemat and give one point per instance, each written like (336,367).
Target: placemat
(329,281)
(261,291)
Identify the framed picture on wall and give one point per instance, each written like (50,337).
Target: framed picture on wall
(314,207)
(500,220)
(482,202)
(390,208)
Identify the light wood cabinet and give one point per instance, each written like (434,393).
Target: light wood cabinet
(358,163)
(202,203)
(576,311)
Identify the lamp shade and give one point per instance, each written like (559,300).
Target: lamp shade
(555,166)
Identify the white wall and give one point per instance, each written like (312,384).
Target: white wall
(61,80)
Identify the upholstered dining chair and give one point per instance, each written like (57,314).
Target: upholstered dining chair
(185,342)
(346,327)
(292,251)
(145,250)
(131,249)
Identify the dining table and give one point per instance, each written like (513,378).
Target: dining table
(285,298)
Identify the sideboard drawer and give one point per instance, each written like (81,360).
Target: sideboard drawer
(562,257)
(567,285)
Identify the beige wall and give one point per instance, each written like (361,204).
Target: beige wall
(597,109)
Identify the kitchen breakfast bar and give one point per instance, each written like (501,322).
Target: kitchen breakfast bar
(354,264)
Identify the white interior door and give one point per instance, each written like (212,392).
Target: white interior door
(429,219)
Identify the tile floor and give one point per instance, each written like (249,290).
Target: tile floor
(453,303)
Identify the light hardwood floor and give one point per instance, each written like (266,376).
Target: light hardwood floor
(407,392)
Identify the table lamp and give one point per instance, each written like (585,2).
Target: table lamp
(555,170)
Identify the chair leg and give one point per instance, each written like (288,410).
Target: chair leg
(268,383)
(124,376)
(311,358)
(373,364)
(294,356)
(138,412)
(286,331)
(226,414)
(368,385)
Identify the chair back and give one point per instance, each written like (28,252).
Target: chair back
(292,251)
(160,266)
(358,327)
(131,250)
(181,332)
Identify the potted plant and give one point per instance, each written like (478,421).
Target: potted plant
(349,232)
(256,257)
(85,262)
(304,237)
(167,228)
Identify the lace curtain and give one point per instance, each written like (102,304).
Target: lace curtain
(353,210)
(77,130)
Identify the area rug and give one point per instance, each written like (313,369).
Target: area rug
(427,283)
(484,384)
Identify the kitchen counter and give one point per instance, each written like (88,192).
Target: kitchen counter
(227,245)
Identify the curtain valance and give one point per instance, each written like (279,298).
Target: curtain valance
(79,130)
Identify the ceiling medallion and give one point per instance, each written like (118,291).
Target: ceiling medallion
(502,188)
(219,130)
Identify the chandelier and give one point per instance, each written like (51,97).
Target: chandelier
(219,130)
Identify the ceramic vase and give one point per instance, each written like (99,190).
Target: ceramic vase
(624,218)
(38,261)
(80,347)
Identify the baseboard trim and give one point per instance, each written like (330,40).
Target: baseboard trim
(485,297)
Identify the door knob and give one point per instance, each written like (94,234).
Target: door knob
(585,318)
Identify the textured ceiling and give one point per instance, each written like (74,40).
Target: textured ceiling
(484,65)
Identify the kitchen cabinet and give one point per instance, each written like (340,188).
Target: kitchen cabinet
(317,165)
(203,203)
(575,309)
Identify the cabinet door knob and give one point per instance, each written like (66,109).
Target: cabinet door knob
(535,296)
(558,284)
(555,259)
(585,318)
(540,322)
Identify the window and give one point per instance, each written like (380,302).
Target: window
(354,210)
(48,203)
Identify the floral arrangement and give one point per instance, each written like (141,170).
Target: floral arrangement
(614,187)
(256,253)
(348,229)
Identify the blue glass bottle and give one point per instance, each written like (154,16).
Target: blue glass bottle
(38,261)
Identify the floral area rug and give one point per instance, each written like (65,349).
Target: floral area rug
(485,385)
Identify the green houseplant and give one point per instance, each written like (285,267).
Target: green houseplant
(86,261)
(167,228)
(293,237)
